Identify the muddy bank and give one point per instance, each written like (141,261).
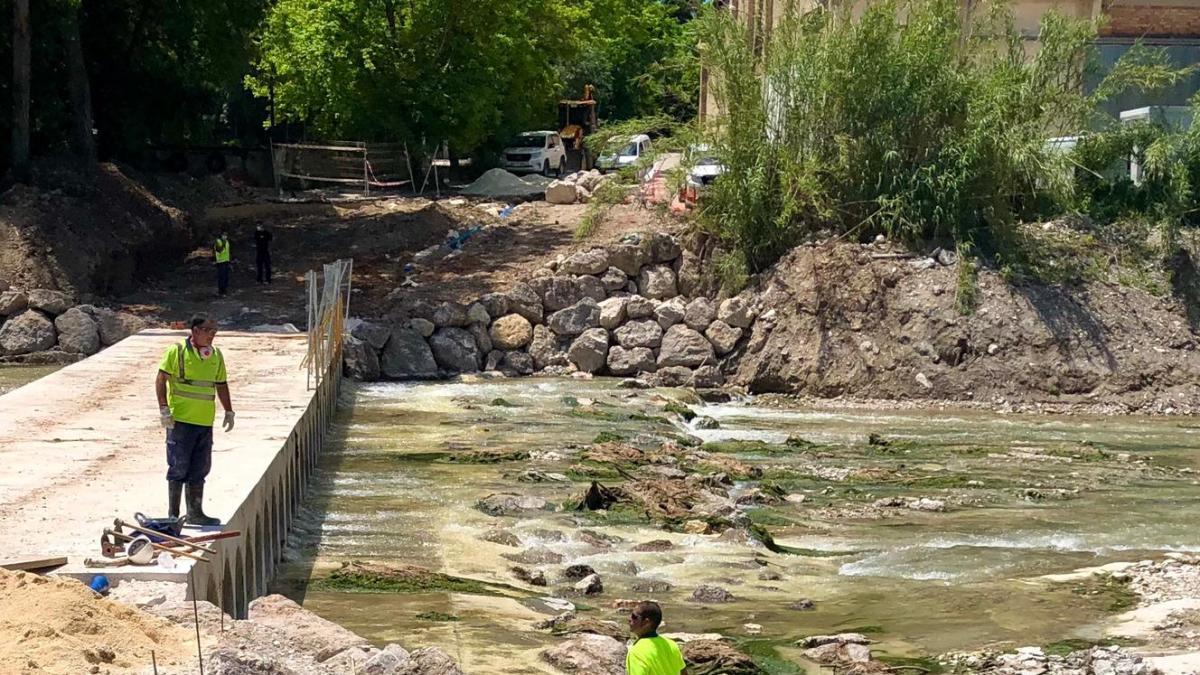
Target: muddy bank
(87,231)
(867,321)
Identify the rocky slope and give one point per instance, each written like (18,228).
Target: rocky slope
(857,321)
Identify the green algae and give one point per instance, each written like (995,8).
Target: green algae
(357,577)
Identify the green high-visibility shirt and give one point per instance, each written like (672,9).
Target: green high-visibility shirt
(221,250)
(654,656)
(192,385)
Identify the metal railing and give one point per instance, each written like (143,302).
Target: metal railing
(328,309)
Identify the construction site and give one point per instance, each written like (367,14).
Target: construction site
(287,387)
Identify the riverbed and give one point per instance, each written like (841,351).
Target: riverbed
(1020,496)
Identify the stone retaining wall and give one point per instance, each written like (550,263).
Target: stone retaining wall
(633,308)
(44,325)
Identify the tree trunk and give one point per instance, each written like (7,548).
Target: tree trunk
(20,122)
(82,142)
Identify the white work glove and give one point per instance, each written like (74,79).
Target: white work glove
(228,423)
(164,417)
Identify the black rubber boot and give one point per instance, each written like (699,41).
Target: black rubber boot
(195,513)
(174,494)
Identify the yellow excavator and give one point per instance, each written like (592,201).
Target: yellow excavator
(576,119)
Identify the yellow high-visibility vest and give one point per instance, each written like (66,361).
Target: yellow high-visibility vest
(221,250)
(192,385)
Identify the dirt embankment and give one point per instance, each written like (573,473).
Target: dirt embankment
(851,320)
(87,231)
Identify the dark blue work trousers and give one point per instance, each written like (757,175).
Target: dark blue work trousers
(189,453)
(222,278)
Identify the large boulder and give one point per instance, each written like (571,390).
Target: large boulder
(455,350)
(423,326)
(524,300)
(477,314)
(682,346)
(373,334)
(592,287)
(50,302)
(27,332)
(310,633)
(546,349)
(622,361)
(517,363)
(629,258)
(699,313)
(737,311)
(670,312)
(588,654)
(708,377)
(483,341)
(614,280)
(575,319)
(116,326)
(359,360)
(450,314)
(77,332)
(429,661)
(589,351)
(723,336)
(13,302)
(640,307)
(510,332)
(407,356)
(612,312)
(558,292)
(689,273)
(657,282)
(497,304)
(560,192)
(510,504)
(663,247)
(643,333)
(594,261)
(674,376)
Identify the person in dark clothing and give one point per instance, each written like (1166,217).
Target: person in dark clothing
(262,254)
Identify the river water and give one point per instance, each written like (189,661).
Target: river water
(12,377)
(1026,496)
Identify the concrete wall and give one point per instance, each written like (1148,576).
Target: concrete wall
(245,565)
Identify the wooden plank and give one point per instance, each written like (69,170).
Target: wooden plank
(33,563)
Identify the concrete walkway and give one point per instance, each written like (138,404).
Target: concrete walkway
(83,446)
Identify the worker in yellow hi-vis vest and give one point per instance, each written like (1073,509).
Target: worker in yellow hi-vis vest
(221,257)
(191,376)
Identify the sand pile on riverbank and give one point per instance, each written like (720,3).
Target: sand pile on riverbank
(52,625)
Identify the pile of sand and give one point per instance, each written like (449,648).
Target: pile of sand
(500,183)
(54,625)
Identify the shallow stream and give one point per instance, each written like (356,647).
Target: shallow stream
(1025,496)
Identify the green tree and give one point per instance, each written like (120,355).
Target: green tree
(431,70)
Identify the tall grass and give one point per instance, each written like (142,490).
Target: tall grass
(916,119)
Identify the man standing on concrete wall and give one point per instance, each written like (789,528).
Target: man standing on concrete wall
(221,258)
(191,375)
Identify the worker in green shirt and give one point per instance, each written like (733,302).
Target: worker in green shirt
(191,377)
(651,654)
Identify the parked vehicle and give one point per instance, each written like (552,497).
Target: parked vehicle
(625,155)
(705,167)
(534,152)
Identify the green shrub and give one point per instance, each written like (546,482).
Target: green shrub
(910,121)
